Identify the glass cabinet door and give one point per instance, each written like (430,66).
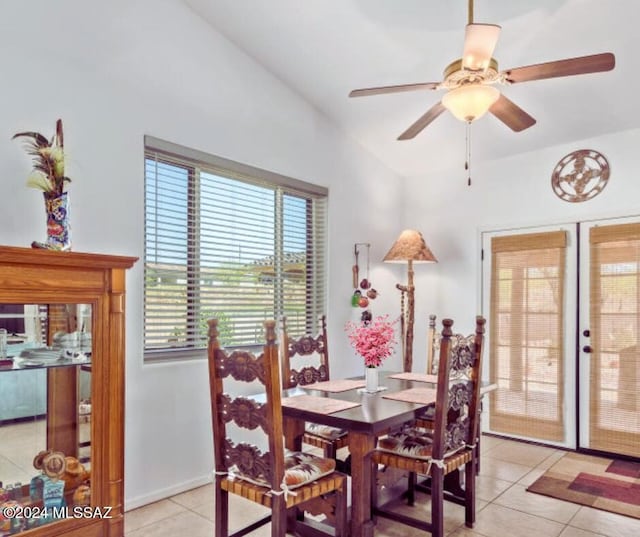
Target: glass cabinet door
(45,413)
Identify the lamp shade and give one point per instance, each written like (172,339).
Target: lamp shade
(471,101)
(410,246)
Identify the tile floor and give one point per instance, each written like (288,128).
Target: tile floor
(504,508)
(18,444)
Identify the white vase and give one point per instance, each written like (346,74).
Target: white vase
(371,378)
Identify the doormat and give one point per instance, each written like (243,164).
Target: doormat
(607,484)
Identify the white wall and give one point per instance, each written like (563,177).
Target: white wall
(117,70)
(511,192)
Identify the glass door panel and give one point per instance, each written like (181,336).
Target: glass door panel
(529,282)
(610,350)
(45,411)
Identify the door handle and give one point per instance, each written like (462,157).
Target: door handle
(587,349)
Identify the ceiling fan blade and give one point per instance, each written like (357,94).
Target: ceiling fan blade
(511,114)
(394,89)
(479,43)
(582,65)
(422,122)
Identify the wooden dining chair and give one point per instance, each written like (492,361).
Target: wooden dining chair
(459,343)
(304,361)
(250,459)
(449,446)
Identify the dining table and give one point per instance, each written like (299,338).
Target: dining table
(345,404)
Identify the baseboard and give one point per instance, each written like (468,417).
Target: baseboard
(134,503)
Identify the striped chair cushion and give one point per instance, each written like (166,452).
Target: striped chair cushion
(324,431)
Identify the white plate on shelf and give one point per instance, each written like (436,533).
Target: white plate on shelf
(31,363)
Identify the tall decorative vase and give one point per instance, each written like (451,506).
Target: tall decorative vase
(58,226)
(371,378)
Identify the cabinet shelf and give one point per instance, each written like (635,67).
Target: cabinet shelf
(20,364)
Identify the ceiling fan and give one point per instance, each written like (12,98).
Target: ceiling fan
(470,81)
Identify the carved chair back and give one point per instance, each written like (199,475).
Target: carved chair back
(458,389)
(304,360)
(433,344)
(230,378)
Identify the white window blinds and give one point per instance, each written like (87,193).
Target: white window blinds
(228,241)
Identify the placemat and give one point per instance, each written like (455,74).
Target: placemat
(321,405)
(341,385)
(418,377)
(421,396)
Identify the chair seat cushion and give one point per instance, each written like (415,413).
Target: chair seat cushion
(410,442)
(300,468)
(415,442)
(324,431)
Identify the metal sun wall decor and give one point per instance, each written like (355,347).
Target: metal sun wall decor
(580,175)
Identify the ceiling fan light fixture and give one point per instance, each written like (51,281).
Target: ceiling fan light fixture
(470,102)
(469,79)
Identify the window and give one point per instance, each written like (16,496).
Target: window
(229,241)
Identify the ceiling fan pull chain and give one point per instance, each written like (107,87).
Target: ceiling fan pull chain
(467,164)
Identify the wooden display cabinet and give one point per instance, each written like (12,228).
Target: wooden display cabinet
(67,357)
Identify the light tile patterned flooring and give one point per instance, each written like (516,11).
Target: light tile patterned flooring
(504,508)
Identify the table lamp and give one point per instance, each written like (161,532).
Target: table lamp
(410,248)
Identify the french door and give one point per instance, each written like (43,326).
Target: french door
(609,351)
(563,304)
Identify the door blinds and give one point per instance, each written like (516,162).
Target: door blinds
(527,334)
(615,325)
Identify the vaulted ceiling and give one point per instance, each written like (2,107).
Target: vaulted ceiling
(322,49)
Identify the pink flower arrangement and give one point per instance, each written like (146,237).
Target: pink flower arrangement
(373,340)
